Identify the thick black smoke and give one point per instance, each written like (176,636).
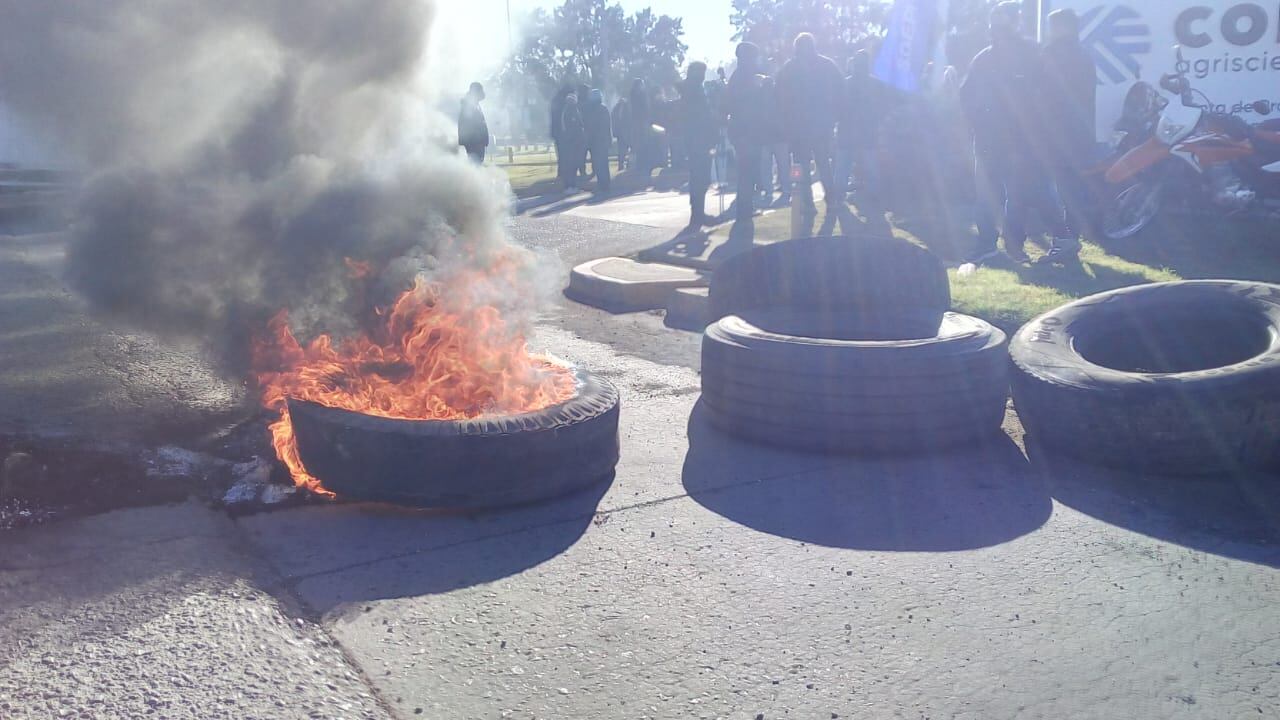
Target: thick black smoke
(237,153)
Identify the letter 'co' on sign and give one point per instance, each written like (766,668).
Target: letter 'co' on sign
(1240,25)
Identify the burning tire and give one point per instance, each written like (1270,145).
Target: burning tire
(1175,378)
(809,381)
(464,464)
(859,276)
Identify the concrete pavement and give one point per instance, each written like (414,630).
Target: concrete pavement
(709,579)
(159,612)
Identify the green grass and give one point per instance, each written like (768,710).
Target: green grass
(1008,295)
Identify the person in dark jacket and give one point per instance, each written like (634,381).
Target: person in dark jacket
(1071,94)
(810,88)
(867,102)
(777,154)
(473,130)
(583,93)
(622,131)
(747,107)
(641,127)
(599,128)
(573,137)
(700,137)
(1002,100)
(557,133)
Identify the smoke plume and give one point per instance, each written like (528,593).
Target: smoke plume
(240,156)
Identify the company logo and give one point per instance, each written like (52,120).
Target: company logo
(1117,37)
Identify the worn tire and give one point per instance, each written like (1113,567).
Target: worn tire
(864,275)
(467,464)
(1175,378)
(856,396)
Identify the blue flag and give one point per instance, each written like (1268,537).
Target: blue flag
(908,46)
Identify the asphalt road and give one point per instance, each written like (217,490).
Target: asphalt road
(710,579)
(66,371)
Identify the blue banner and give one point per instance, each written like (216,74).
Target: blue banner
(908,46)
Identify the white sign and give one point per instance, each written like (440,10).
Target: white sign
(1231,48)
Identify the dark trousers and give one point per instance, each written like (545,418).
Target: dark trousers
(750,158)
(624,151)
(699,183)
(476,153)
(600,166)
(562,163)
(573,160)
(1073,193)
(1018,185)
(817,150)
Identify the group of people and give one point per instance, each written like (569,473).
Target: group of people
(1028,110)
(1032,113)
(582,126)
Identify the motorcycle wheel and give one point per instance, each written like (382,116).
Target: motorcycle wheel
(1132,210)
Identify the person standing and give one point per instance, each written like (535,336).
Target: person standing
(574,140)
(777,154)
(1071,110)
(473,130)
(622,131)
(557,133)
(747,106)
(599,130)
(866,104)
(1001,98)
(810,89)
(641,127)
(699,138)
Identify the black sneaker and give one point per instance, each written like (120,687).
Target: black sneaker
(1059,255)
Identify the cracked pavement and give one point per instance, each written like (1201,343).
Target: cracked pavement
(710,579)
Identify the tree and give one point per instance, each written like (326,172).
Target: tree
(592,42)
(841,26)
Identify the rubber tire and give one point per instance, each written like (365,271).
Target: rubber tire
(867,275)
(1214,421)
(859,397)
(470,464)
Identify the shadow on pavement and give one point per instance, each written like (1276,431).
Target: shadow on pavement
(1236,517)
(344,554)
(959,501)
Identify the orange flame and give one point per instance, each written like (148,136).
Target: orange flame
(423,362)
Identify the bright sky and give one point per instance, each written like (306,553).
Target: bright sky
(706,23)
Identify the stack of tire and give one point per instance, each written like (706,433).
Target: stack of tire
(1175,378)
(847,344)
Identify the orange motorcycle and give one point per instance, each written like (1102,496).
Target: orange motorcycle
(1197,158)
